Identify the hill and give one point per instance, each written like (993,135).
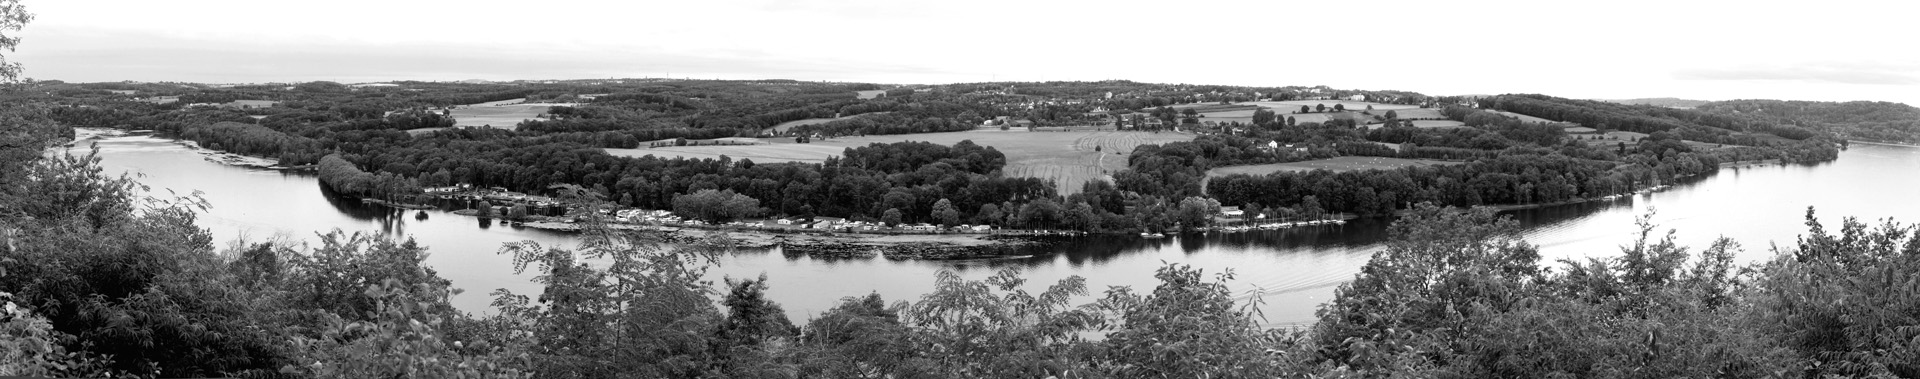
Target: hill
(1668,102)
(1875,121)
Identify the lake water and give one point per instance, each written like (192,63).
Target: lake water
(1295,270)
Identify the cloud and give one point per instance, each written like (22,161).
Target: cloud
(1840,73)
(112,55)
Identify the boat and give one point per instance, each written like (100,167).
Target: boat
(1151,235)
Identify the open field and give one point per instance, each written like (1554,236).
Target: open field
(1413,113)
(782,127)
(1523,117)
(1065,157)
(1294,105)
(1438,124)
(1333,164)
(502,114)
(1216,107)
(863,95)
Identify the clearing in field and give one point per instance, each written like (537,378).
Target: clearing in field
(1523,117)
(864,95)
(782,127)
(1438,124)
(1294,105)
(1333,164)
(1065,157)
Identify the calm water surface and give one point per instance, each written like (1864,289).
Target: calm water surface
(1295,270)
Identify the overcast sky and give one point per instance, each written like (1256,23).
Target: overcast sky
(1712,50)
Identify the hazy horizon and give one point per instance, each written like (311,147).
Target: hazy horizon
(1600,50)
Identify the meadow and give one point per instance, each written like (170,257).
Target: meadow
(782,127)
(503,114)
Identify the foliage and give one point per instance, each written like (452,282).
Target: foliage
(716,206)
(1845,302)
(13,16)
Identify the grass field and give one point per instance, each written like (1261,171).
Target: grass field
(1065,157)
(782,127)
(1438,124)
(1414,113)
(499,114)
(1524,117)
(1333,164)
(863,95)
(1294,105)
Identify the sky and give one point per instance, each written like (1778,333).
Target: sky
(1835,50)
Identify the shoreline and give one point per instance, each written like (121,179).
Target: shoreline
(1883,143)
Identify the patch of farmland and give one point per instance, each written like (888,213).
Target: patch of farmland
(504,114)
(1438,124)
(1523,117)
(782,127)
(1294,105)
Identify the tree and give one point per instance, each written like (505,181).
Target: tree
(1320,107)
(943,212)
(518,212)
(1339,107)
(989,214)
(1188,327)
(485,208)
(891,217)
(1391,115)
(1304,109)
(13,17)
(716,206)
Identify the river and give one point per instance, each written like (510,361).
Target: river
(1294,270)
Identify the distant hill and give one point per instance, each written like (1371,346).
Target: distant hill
(1668,102)
(1876,121)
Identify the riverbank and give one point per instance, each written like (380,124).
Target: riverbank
(1884,143)
(821,245)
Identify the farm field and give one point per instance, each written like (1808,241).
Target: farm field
(1438,124)
(1523,117)
(1414,113)
(863,95)
(1065,157)
(499,114)
(782,127)
(1294,105)
(1333,164)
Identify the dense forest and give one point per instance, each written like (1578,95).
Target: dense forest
(100,281)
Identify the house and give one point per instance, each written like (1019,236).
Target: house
(1232,211)
(1357,97)
(783,222)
